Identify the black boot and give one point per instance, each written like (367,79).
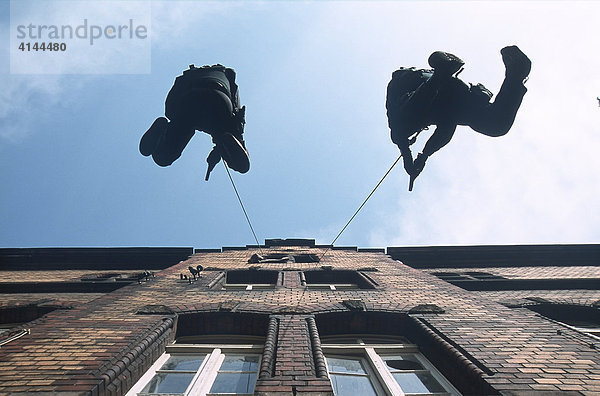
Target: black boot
(517,64)
(172,144)
(233,152)
(153,135)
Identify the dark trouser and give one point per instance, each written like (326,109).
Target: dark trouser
(172,144)
(206,110)
(446,104)
(495,119)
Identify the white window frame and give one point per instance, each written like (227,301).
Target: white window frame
(371,373)
(4,327)
(593,332)
(207,372)
(248,286)
(371,353)
(333,286)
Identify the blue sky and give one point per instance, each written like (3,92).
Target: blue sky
(313,77)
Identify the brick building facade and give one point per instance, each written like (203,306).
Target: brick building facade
(294,318)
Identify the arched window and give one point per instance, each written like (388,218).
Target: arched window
(207,365)
(214,353)
(386,353)
(376,365)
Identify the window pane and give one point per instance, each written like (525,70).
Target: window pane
(239,363)
(403,362)
(168,383)
(338,365)
(418,383)
(183,363)
(234,383)
(349,385)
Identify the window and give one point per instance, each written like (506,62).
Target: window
(586,327)
(577,317)
(250,279)
(335,280)
(306,258)
(4,327)
(284,258)
(381,366)
(118,277)
(12,317)
(466,276)
(202,369)
(485,281)
(349,376)
(270,258)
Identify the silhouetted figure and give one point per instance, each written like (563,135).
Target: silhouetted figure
(418,98)
(195,271)
(144,276)
(205,99)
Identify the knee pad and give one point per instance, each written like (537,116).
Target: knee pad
(480,93)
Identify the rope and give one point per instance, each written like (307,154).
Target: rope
(286,328)
(242,205)
(361,206)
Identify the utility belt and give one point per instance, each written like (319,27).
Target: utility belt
(205,77)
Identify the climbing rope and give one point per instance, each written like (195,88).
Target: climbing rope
(242,205)
(361,206)
(343,228)
(302,295)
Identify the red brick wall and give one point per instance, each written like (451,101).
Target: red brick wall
(102,344)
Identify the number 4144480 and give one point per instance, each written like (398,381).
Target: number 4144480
(43,46)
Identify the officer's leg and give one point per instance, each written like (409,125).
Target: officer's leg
(440,137)
(151,139)
(178,135)
(496,119)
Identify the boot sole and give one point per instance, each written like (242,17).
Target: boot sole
(234,153)
(151,138)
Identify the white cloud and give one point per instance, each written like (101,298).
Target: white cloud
(173,22)
(539,183)
(319,87)
(101,37)
(21,98)
(26,98)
